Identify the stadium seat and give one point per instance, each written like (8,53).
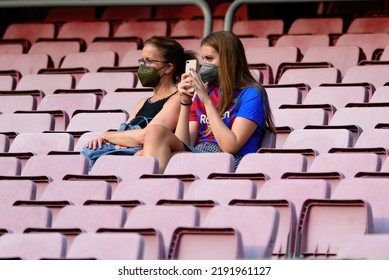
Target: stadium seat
(281,96)
(32,246)
(125,101)
(10,104)
(258,27)
(106,246)
(373,74)
(365,247)
(10,166)
(22,123)
(368,25)
(108,81)
(298,118)
(303,42)
(325,225)
(4,143)
(25,63)
(142,29)
(30,31)
(317,25)
(118,46)
(11,191)
(48,84)
(7,82)
(15,219)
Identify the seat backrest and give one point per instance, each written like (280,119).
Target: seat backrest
(33,246)
(164,219)
(13,190)
(299,118)
(280,96)
(57,50)
(30,123)
(369,25)
(341,58)
(321,140)
(188,28)
(86,30)
(42,143)
(303,42)
(69,102)
(325,25)
(25,63)
(142,29)
(338,96)
(109,81)
(272,164)
(107,246)
(10,166)
(125,167)
(368,42)
(30,31)
(364,117)
(47,83)
(373,138)
(123,100)
(149,191)
(381,94)
(200,164)
(373,190)
(90,218)
(10,104)
(55,166)
(258,237)
(258,27)
(16,219)
(347,164)
(374,74)
(90,60)
(76,192)
(96,121)
(130,58)
(221,191)
(119,47)
(7,82)
(4,143)
(272,56)
(313,77)
(369,246)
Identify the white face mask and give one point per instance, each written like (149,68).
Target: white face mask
(209,73)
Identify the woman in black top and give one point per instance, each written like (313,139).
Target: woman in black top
(160,67)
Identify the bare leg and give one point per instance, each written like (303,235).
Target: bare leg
(160,142)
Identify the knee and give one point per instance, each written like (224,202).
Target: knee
(155,133)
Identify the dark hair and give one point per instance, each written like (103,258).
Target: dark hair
(173,52)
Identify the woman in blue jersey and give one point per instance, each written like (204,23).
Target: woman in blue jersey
(228,111)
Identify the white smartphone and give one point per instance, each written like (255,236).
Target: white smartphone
(191,64)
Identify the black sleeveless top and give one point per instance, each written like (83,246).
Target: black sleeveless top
(150,109)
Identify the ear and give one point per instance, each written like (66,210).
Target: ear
(169,68)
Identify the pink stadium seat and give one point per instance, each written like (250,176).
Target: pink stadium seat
(373,190)
(177,12)
(369,25)
(107,246)
(368,42)
(297,118)
(369,246)
(11,191)
(15,219)
(92,61)
(303,42)
(325,25)
(57,49)
(7,82)
(221,8)
(25,63)
(118,46)
(325,225)
(30,31)
(10,104)
(85,30)
(22,123)
(4,143)
(46,83)
(374,74)
(157,225)
(258,27)
(32,246)
(287,196)
(12,47)
(142,29)
(10,166)
(109,81)
(123,100)
(281,96)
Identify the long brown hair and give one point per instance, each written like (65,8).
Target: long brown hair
(234,72)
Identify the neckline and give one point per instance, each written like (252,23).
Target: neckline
(163,98)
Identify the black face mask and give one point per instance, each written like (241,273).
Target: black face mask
(209,73)
(149,76)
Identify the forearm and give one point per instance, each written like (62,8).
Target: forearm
(182,129)
(128,138)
